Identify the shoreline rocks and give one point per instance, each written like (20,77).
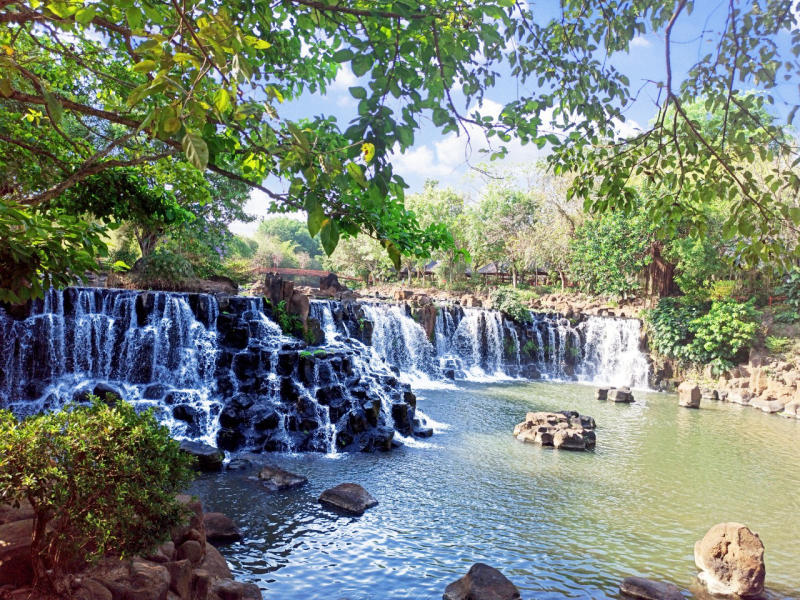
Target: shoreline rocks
(731,560)
(568,430)
(348,497)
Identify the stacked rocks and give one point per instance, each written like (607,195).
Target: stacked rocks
(567,429)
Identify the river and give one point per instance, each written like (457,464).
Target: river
(559,524)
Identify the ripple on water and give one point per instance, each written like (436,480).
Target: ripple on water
(559,524)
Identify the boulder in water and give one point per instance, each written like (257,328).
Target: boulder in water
(348,497)
(731,560)
(567,430)
(209,459)
(602,393)
(689,395)
(646,589)
(622,394)
(277,480)
(482,582)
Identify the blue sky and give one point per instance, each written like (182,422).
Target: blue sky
(447,158)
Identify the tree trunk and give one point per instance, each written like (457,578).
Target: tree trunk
(563,279)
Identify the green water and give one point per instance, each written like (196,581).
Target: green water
(557,523)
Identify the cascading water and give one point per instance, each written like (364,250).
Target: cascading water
(612,353)
(223,375)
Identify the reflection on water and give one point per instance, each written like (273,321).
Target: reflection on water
(558,524)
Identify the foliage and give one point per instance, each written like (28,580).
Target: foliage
(285,229)
(698,261)
(163,266)
(791,288)
(699,334)
(778,345)
(37,251)
(89,86)
(100,478)
(238,269)
(787,317)
(289,323)
(508,301)
(722,290)
(609,253)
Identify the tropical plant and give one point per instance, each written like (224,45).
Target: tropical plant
(100,478)
(791,288)
(508,301)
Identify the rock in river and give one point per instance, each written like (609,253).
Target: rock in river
(482,582)
(622,394)
(731,560)
(277,479)
(567,430)
(645,589)
(209,459)
(349,497)
(689,395)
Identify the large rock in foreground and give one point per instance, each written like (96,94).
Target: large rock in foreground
(220,528)
(482,582)
(348,497)
(689,395)
(645,589)
(277,480)
(568,430)
(731,560)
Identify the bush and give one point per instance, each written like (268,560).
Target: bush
(699,334)
(101,479)
(163,267)
(778,345)
(791,288)
(509,301)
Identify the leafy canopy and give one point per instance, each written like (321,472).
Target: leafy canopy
(89,86)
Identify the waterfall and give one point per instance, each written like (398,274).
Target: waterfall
(225,375)
(612,353)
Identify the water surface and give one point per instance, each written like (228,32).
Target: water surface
(559,524)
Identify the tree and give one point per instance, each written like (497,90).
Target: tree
(610,253)
(291,230)
(92,86)
(100,479)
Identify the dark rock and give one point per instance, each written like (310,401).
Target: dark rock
(622,394)
(220,528)
(238,464)
(286,362)
(180,577)
(482,582)
(190,550)
(267,419)
(348,497)
(602,393)
(209,459)
(277,479)
(645,589)
(103,390)
(184,412)
(215,564)
(229,439)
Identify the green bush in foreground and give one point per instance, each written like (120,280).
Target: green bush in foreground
(715,335)
(101,479)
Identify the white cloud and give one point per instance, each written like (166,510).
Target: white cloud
(640,42)
(345,78)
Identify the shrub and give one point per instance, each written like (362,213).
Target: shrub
(722,290)
(509,301)
(101,479)
(791,288)
(699,334)
(778,345)
(163,266)
(721,335)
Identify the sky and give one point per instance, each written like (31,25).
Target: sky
(447,158)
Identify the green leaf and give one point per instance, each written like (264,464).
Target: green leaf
(222,100)
(393,252)
(329,236)
(358,92)
(53,107)
(316,216)
(343,55)
(361,64)
(85,15)
(196,150)
(6,89)
(144,66)
(134,17)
